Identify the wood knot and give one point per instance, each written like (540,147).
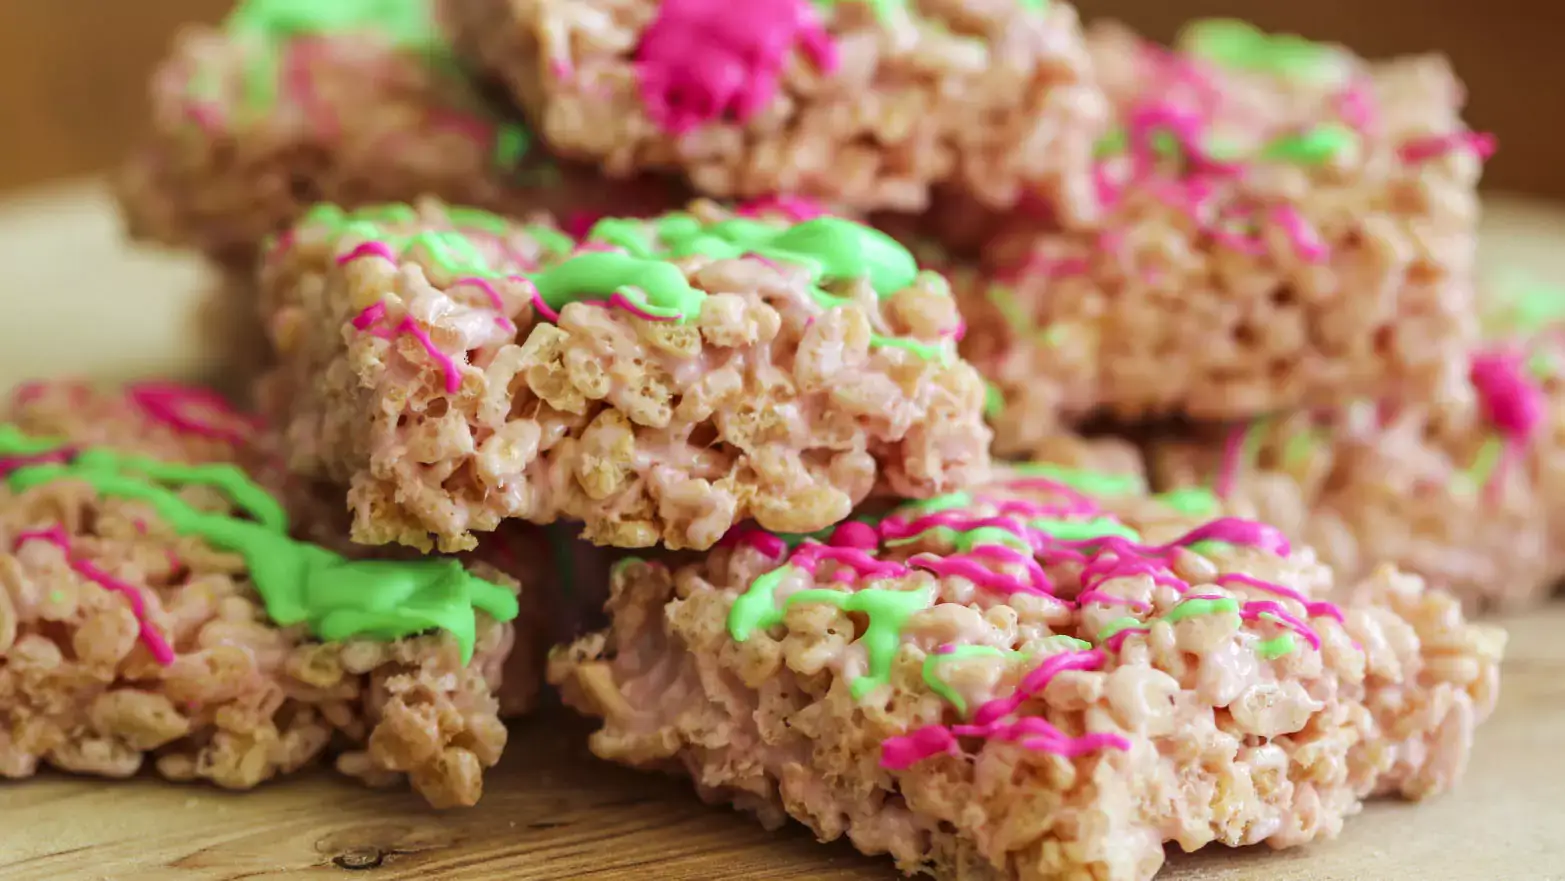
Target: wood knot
(360,858)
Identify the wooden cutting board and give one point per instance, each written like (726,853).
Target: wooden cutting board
(79,303)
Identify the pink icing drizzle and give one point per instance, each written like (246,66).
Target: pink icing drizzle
(1513,403)
(991,721)
(372,320)
(702,60)
(182,408)
(796,208)
(1424,149)
(154,641)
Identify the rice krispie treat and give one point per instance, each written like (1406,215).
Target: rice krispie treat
(659,381)
(865,104)
(1287,226)
(1463,492)
(154,612)
(293,102)
(1029,682)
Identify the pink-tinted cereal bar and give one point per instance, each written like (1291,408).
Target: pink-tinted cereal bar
(659,382)
(255,122)
(1463,492)
(863,105)
(1286,226)
(1023,682)
(141,574)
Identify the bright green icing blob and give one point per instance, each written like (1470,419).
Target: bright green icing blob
(933,662)
(246,496)
(1297,447)
(1319,145)
(1234,43)
(1093,483)
(1083,530)
(830,247)
(1191,608)
(887,610)
(1197,607)
(1118,624)
(1483,465)
(994,401)
(1209,547)
(406,22)
(14,443)
(654,286)
(1197,501)
(1275,647)
(336,598)
(511,144)
(1527,305)
(450,250)
(1542,364)
(957,653)
(965,540)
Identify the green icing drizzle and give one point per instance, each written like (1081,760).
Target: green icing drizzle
(1190,608)
(1084,530)
(336,598)
(1092,483)
(1197,501)
(1276,647)
(1483,465)
(1319,145)
(1118,624)
(994,401)
(1234,43)
(887,610)
(933,662)
(830,248)
(1196,607)
(1528,306)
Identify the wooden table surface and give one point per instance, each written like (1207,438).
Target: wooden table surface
(78,303)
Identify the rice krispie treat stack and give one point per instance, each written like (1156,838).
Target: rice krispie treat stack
(1287,226)
(863,104)
(1464,492)
(1038,678)
(154,612)
(658,381)
(293,102)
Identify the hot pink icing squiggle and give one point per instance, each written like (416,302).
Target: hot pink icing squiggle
(703,60)
(184,409)
(992,721)
(161,651)
(371,320)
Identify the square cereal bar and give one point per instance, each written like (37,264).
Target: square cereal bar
(863,105)
(1028,681)
(155,612)
(1464,492)
(291,104)
(1286,226)
(659,381)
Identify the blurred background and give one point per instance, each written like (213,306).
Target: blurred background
(73,72)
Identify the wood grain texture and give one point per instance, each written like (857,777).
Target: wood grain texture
(551,811)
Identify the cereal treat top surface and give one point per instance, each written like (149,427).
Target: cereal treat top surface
(1048,676)
(864,104)
(156,609)
(659,380)
(291,103)
(1289,224)
(1458,491)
